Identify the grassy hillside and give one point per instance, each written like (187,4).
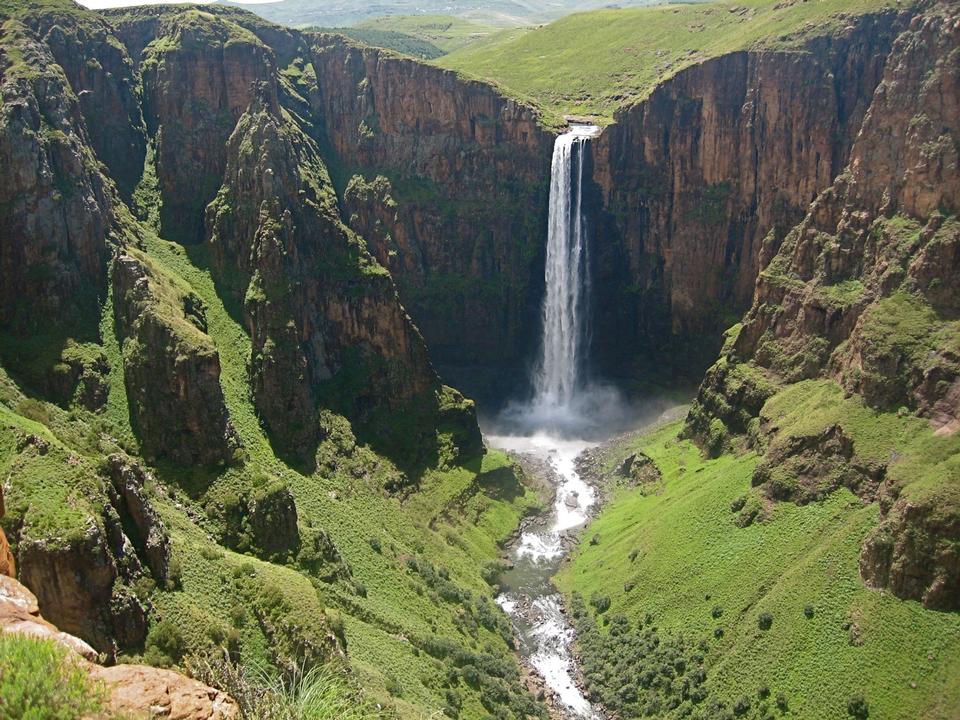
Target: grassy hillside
(446,32)
(677,552)
(399,612)
(594,62)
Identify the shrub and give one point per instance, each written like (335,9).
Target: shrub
(375,544)
(716,612)
(165,645)
(808,611)
(765,621)
(763,692)
(320,692)
(39,681)
(858,708)
(601,603)
(174,574)
(782,704)
(718,633)
(741,706)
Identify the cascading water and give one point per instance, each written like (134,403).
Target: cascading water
(565,314)
(543,430)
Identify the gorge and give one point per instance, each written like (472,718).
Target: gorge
(251,277)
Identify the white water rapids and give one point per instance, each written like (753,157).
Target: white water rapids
(562,406)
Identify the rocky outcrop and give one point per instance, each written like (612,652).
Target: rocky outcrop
(171,368)
(262,520)
(856,293)
(77,581)
(199,71)
(102,77)
(807,468)
(152,540)
(449,187)
(324,318)
(8,565)
(913,552)
(20,613)
(57,209)
(700,182)
(132,690)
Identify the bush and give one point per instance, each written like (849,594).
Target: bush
(39,681)
(320,692)
(741,706)
(165,645)
(601,603)
(765,621)
(858,708)
(782,704)
(808,611)
(716,612)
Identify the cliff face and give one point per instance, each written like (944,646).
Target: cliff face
(58,210)
(700,182)
(171,368)
(858,293)
(199,71)
(449,187)
(323,315)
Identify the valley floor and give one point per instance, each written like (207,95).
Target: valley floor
(677,559)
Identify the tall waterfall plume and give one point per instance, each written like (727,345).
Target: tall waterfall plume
(557,377)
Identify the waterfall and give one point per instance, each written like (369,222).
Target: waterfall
(557,376)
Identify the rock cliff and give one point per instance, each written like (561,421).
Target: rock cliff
(448,182)
(58,210)
(700,182)
(857,293)
(171,368)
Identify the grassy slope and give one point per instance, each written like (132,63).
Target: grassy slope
(456,518)
(354,510)
(690,556)
(595,62)
(446,32)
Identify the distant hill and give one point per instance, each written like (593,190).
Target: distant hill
(389,39)
(447,32)
(501,13)
(592,63)
(423,36)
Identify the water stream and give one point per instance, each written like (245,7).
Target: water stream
(551,428)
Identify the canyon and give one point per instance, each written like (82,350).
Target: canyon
(252,277)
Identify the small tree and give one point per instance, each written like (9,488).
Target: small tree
(858,708)
(765,621)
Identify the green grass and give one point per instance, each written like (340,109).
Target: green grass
(688,555)
(41,680)
(446,32)
(593,63)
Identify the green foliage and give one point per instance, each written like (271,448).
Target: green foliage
(857,707)
(319,692)
(39,680)
(634,669)
(165,645)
